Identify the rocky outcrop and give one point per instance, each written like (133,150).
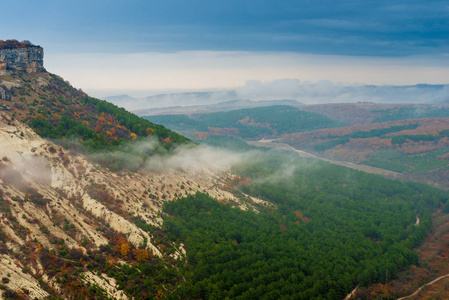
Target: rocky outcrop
(29,59)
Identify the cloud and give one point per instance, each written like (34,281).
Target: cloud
(155,73)
(197,158)
(329,92)
(22,170)
(152,155)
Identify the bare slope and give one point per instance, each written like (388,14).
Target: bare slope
(58,209)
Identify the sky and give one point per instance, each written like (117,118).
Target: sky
(108,47)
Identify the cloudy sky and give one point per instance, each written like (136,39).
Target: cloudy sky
(108,47)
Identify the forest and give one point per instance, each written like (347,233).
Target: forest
(254,123)
(323,230)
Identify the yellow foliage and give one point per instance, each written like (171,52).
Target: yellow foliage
(140,254)
(124,249)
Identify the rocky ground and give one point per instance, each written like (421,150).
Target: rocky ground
(48,194)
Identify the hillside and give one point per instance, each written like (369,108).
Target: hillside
(252,123)
(368,112)
(61,214)
(406,138)
(415,147)
(70,227)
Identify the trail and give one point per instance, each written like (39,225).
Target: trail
(364,168)
(427,284)
(352,293)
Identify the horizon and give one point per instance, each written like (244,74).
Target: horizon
(108,47)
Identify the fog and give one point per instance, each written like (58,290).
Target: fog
(305,92)
(331,92)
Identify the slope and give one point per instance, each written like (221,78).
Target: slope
(69,226)
(57,110)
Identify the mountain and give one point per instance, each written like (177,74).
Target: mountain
(309,93)
(65,215)
(172,99)
(58,111)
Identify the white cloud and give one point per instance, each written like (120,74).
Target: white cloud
(201,70)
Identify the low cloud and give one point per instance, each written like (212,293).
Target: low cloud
(23,170)
(151,155)
(196,159)
(329,92)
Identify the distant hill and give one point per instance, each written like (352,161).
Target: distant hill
(121,100)
(369,112)
(221,106)
(308,93)
(172,99)
(252,123)
(418,148)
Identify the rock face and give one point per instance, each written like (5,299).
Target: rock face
(29,59)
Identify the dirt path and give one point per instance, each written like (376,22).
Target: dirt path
(352,293)
(364,168)
(427,284)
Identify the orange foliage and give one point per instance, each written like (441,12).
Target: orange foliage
(97,128)
(140,254)
(124,249)
(167,140)
(102,120)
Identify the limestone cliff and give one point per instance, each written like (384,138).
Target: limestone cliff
(29,59)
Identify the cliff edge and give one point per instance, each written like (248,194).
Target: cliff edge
(21,56)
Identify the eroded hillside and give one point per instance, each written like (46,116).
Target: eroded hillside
(68,224)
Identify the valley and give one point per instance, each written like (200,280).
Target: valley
(266,202)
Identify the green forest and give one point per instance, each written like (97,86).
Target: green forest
(324,230)
(412,112)
(250,123)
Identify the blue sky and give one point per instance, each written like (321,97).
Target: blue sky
(412,35)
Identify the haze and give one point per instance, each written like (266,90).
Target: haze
(149,47)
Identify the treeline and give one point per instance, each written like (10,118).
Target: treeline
(15,44)
(413,112)
(327,230)
(362,135)
(400,139)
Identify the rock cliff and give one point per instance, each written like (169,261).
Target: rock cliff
(29,59)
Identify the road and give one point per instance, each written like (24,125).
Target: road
(364,168)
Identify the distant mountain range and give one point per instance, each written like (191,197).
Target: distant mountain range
(172,99)
(221,106)
(308,93)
